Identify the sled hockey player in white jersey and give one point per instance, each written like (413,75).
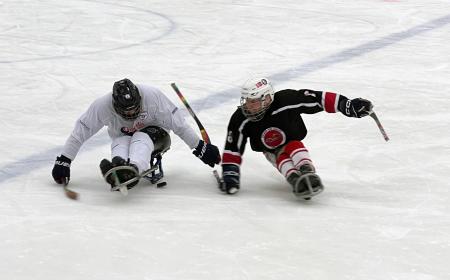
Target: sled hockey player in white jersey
(139,119)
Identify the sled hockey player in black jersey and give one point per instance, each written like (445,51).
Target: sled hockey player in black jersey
(272,122)
(139,119)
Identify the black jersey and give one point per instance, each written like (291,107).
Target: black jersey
(281,123)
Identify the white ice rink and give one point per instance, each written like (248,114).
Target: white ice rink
(385,212)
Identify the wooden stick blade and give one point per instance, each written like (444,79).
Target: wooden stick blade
(69,193)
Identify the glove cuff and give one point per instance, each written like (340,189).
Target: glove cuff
(63,161)
(344,105)
(64,158)
(200,150)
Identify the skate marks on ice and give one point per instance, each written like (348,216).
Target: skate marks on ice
(296,72)
(17,168)
(360,50)
(58,36)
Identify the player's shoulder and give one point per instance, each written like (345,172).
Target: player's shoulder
(237,118)
(286,93)
(292,95)
(148,89)
(102,102)
(101,108)
(152,96)
(286,96)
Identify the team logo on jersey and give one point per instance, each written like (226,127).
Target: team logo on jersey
(273,137)
(143,115)
(138,124)
(127,131)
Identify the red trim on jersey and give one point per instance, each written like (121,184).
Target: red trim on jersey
(293,146)
(330,102)
(229,158)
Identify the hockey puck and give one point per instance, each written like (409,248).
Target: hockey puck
(160,185)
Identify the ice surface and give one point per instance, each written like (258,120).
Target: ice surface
(383,215)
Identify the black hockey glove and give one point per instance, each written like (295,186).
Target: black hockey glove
(208,153)
(61,170)
(230,178)
(356,108)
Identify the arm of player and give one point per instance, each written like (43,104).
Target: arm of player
(332,102)
(172,118)
(232,156)
(87,125)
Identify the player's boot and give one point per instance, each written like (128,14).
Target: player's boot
(122,174)
(105,166)
(125,174)
(308,183)
(293,179)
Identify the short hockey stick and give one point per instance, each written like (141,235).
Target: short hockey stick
(188,107)
(69,193)
(219,180)
(380,127)
(200,126)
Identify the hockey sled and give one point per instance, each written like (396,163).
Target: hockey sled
(154,174)
(312,190)
(304,194)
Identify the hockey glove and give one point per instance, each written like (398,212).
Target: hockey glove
(61,170)
(230,178)
(208,153)
(356,108)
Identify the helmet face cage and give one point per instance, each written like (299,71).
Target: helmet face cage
(254,114)
(130,114)
(256,97)
(126,99)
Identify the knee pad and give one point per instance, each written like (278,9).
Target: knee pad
(160,138)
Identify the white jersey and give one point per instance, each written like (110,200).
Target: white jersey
(156,110)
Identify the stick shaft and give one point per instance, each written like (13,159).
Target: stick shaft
(203,132)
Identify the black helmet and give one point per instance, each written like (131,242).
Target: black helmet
(126,99)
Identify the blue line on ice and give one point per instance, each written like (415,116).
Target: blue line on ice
(39,160)
(345,55)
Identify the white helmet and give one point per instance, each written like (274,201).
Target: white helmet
(254,101)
